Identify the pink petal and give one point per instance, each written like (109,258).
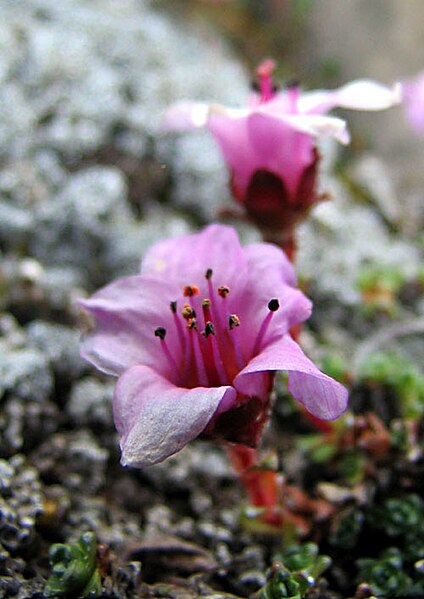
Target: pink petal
(126,314)
(279,147)
(266,258)
(270,275)
(184,260)
(321,395)
(184,116)
(155,419)
(232,137)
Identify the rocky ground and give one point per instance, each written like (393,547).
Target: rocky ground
(87,183)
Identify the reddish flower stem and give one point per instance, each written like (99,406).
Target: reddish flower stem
(262,485)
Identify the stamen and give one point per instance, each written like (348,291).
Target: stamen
(178,326)
(197,352)
(223,291)
(206,307)
(161,333)
(215,312)
(273,306)
(217,361)
(264,74)
(233,324)
(190,290)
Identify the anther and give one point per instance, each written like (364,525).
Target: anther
(208,273)
(190,290)
(223,290)
(209,329)
(192,323)
(160,332)
(206,303)
(233,321)
(188,312)
(173,306)
(273,305)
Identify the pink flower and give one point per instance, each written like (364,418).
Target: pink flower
(269,146)
(195,340)
(413,102)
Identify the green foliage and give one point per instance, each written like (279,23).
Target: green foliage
(335,366)
(386,575)
(380,286)
(404,378)
(74,569)
(294,573)
(348,529)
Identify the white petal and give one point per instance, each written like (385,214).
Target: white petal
(365,94)
(183,116)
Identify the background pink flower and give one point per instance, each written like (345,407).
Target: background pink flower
(413,102)
(270,145)
(195,339)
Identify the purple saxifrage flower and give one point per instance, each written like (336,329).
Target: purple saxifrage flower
(270,145)
(195,340)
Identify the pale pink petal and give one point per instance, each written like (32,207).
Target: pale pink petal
(271,276)
(155,419)
(184,116)
(413,101)
(184,260)
(268,259)
(125,315)
(321,395)
(316,125)
(230,131)
(362,94)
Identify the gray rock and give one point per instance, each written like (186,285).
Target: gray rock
(25,372)
(90,403)
(61,345)
(341,237)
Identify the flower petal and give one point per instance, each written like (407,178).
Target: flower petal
(317,125)
(270,275)
(321,395)
(184,116)
(126,314)
(229,129)
(184,260)
(266,258)
(362,94)
(155,419)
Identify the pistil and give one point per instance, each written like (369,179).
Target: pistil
(264,74)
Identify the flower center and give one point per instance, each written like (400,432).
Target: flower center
(210,352)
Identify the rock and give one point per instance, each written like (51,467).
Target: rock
(61,345)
